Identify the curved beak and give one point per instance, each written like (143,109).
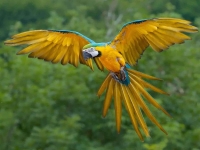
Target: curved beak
(86,55)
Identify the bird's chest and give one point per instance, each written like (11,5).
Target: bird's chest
(110,61)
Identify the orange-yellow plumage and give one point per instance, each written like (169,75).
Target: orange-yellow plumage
(64,47)
(159,33)
(122,84)
(110,58)
(118,105)
(131,96)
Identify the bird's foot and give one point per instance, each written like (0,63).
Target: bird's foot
(119,76)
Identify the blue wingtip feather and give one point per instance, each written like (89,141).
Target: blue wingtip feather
(75,32)
(134,22)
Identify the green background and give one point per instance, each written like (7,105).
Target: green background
(55,107)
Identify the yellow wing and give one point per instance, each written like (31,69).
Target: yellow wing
(51,45)
(159,33)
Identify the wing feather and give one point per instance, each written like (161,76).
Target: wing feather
(53,45)
(51,56)
(65,58)
(159,34)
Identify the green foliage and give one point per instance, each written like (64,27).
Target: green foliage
(50,107)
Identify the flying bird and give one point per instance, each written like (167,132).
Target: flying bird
(122,84)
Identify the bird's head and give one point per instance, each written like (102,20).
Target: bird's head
(89,51)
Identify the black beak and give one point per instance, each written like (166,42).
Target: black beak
(86,55)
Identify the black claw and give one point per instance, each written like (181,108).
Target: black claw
(121,76)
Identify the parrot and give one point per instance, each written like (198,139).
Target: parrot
(124,85)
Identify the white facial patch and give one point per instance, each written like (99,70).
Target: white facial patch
(91,51)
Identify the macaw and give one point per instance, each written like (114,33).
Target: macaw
(123,84)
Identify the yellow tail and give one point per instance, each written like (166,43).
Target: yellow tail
(131,96)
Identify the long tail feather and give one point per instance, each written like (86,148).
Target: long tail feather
(131,95)
(137,110)
(108,98)
(118,106)
(131,111)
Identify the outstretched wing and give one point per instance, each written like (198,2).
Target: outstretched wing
(53,45)
(159,33)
